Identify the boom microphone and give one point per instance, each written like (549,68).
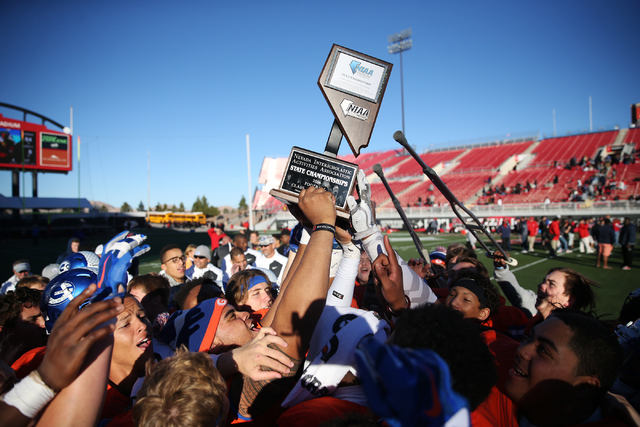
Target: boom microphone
(378,170)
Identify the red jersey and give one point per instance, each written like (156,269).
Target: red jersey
(583,230)
(554,229)
(315,412)
(29,362)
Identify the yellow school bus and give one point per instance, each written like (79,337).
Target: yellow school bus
(159,217)
(192,217)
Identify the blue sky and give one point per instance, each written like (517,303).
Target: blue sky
(187,82)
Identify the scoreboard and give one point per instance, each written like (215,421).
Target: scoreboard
(33,146)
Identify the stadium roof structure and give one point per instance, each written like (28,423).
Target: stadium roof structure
(42,203)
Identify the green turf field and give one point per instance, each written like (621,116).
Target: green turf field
(615,284)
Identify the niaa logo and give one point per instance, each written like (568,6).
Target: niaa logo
(355,66)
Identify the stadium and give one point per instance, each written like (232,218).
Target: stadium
(588,174)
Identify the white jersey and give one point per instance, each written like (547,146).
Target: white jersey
(196,273)
(9,285)
(275,264)
(251,255)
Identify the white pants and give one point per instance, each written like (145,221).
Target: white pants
(586,242)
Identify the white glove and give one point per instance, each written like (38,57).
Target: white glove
(362,213)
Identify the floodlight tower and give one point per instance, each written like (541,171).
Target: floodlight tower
(398,43)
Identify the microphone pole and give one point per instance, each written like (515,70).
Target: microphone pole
(416,240)
(454,202)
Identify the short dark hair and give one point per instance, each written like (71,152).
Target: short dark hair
(457,250)
(239,237)
(12,303)
(479,266)
(235,252)
(167,249)
(579,287)
(491,292)
(152,284)
(212,291)
(446,331)
(597,349)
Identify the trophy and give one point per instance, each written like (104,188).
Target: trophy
(353,85)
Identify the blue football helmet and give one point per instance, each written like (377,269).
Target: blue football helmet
(61,290)
(80,259)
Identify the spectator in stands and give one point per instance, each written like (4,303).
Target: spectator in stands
(627,241)
(21,269)
(606,240)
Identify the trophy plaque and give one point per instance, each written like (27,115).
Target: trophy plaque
(306,168)
(353,84)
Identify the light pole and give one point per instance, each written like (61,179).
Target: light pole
(398,43)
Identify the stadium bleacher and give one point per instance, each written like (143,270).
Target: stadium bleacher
(633,137)
(465,170)
(562,149)
(432,159)
(487,158)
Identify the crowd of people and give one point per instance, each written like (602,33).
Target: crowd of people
(324,324)
(602,182)
(559,235)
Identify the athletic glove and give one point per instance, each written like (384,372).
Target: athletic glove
(362,212)
(116,259)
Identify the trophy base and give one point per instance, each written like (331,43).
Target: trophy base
(292,199)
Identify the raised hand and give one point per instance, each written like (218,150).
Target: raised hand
(318,206)
(116,259)
(389,274)
(259,353)
(73,335)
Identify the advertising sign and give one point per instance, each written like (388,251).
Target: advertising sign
(33,147)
